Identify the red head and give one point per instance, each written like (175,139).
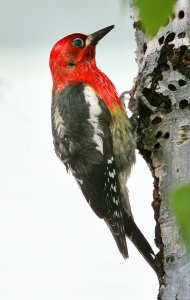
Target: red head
(71,51)
(72,60)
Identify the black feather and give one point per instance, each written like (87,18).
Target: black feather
(140,242)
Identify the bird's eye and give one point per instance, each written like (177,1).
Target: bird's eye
(78,42)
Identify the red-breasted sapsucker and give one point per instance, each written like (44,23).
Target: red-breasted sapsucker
(93,135)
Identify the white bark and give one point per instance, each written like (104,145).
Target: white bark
(162,90)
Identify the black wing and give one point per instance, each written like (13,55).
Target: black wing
(81,128)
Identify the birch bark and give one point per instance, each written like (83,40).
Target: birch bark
(162,91)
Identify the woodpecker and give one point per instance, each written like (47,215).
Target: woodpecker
(93,136)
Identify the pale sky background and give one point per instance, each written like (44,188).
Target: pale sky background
(52,246)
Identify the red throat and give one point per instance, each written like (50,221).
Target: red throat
(88,74)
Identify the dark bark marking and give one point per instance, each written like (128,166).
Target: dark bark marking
(181,35)
(157,146)
(172,87)
(161,40)
(159,134)
(166,135)
(183,104)
(156,120)
(182,82)
(170,37)
(181,14)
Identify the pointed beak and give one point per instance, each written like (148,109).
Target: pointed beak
(95,37)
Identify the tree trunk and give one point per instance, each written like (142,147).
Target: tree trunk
(161,94)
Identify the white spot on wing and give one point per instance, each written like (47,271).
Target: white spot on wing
(116,213)
(112,174)
(95,111)
(80,181)
(59,123)
(110,160)
(115,201)
(113,187)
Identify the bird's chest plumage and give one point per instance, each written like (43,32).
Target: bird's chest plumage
(78,122)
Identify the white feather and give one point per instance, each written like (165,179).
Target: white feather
(59,123)
(95,111)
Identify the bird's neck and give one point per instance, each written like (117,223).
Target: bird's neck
(89,74)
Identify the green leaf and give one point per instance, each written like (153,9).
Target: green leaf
(154,14)
(180,204)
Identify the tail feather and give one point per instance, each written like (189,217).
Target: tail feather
(118,233)
(140,242)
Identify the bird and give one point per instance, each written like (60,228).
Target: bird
(93,136)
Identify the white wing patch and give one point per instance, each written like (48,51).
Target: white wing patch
(95,111)
(112,174)
(59,123)
(110,161)
(80,181)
